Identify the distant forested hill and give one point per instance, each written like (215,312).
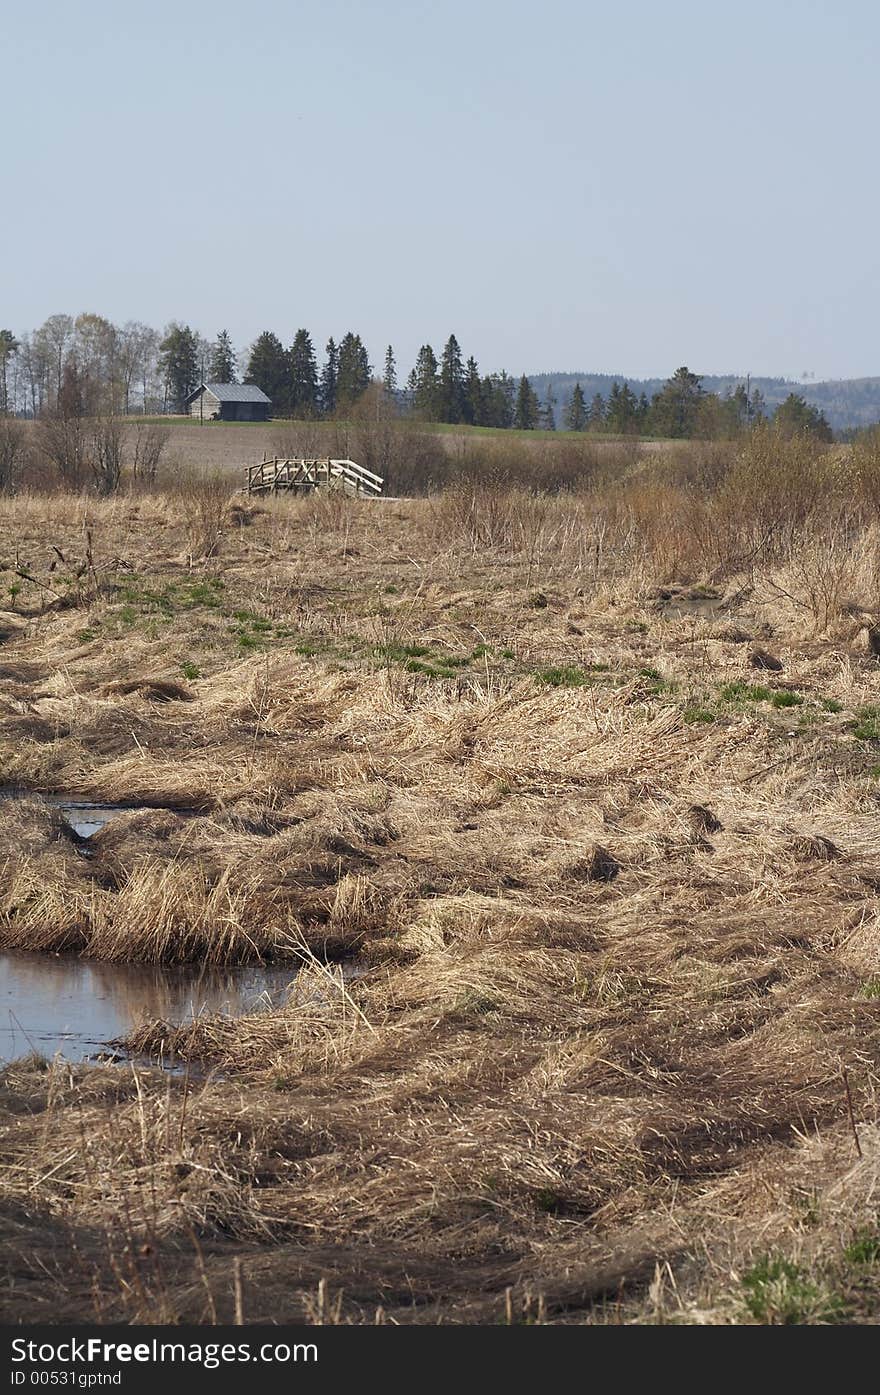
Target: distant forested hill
(846,403)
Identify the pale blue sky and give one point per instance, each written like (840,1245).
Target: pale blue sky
(619,187)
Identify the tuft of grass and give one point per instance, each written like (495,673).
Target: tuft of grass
(565,676)
(399,653)
(777,1291)
(787,698)
(866,726)
(741,691)
(864,1248)
(695,714)
(654,680)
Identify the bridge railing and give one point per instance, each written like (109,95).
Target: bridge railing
(303,474)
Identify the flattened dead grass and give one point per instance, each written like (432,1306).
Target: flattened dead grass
(614,914)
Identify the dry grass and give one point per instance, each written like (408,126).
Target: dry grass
(614,892)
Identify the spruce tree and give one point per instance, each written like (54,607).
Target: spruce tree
(353,375)
(389,377)
(179,362)
(675,408)
(740,405)
(620,414)
(473,394)
(499,396)
(222,362)
(303,376)
(597,413)
(269,368)
(329,375)
(548,410)
(612,408)
(797,417)
(576,410)
(527,410)
(451,387)
(426,399)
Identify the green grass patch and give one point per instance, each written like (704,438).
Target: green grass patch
(741,691)
(654,679)
(434,670)
(568,676)
(786,698)
(778,1292)
(866,726)
(399,653)
(699,714)
(864,1248)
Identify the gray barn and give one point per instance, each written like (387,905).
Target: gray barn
(229,402)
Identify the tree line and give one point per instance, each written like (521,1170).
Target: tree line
(683,410)
(88,367)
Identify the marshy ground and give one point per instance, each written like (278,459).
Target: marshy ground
(612,881)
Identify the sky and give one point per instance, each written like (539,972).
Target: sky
(565,185)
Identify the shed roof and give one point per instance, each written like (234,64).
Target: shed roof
(232,392)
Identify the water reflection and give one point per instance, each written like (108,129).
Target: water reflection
(86,818)
(60,1003)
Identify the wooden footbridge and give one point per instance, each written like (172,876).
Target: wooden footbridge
(304,476)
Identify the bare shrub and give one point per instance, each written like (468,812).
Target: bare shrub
(669,526)
(301,438)
(489,516)
(149,440)
(63,441)
(410,461)
(543,467)
(823,568)
(106,447)
(773,487)
(696,465)
(203,500)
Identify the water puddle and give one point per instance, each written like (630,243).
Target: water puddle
(86,818)
(61,1003)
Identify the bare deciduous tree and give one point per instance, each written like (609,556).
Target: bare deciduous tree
(13,449)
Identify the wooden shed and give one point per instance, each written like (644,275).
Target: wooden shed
(229,402)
